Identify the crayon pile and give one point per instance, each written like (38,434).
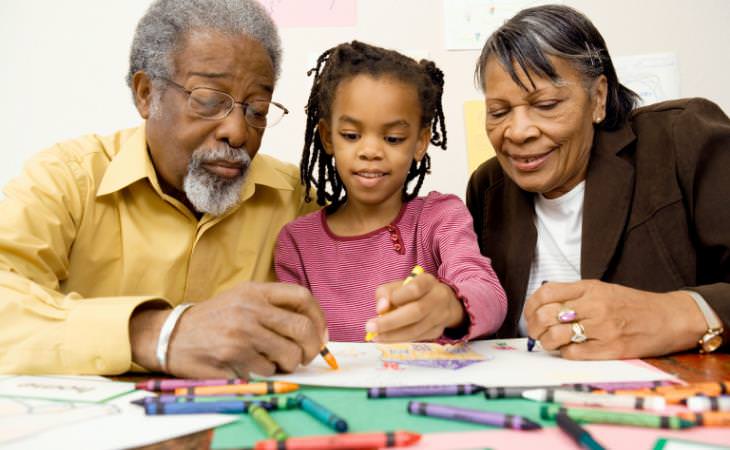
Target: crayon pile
(237,396)
(639,404)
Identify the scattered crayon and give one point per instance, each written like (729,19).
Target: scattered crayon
(549,412)
(260,388)
(629,385)
(496,419)
(266,423)
(707,388)
(702,403)
(320,412)
(708,418)
(516,391)
(423,391)
(229,407)
(589,399)
(169,385)
(577,433)
(343,441)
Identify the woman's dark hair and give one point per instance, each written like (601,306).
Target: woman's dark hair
(346,61)
(528,38)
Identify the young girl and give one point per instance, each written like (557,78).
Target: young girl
(370,117)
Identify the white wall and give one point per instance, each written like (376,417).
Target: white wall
(64,62)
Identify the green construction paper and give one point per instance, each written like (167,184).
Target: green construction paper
(366,415)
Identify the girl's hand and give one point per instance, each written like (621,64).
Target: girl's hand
(417,311)
(619,322)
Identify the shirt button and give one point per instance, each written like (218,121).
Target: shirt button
(397,247)
(394,237)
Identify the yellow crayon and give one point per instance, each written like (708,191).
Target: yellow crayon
(417,270)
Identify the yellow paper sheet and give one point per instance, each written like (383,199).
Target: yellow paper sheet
(478,147)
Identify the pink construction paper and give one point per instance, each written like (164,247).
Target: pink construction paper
(312,13)
(613,437)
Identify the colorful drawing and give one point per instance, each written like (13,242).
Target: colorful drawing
(425,354)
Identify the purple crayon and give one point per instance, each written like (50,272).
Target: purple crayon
(169,385)
(424,391)
(496,419)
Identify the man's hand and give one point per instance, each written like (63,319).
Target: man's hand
(619,322)
(252,328)
(417,311)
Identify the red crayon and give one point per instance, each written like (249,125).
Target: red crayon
(342,441)
(169,385)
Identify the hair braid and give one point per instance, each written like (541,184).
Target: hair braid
(346,61)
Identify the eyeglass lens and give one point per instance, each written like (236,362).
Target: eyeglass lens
(212,104)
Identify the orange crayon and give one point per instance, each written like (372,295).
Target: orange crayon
(704,388)
(708,418)
(329,357)
(260,388)
(677,394)
(708,388)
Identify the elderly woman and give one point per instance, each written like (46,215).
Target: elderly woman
(608,226)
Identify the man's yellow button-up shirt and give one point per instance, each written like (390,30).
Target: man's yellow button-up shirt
(87,235)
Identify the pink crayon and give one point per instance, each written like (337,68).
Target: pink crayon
(169,385)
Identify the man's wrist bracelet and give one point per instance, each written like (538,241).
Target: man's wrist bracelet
(166,331)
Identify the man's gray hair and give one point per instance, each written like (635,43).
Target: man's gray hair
(166,23)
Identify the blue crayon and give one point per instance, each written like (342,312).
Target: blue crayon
(229,407)
(320,413)
(530,343)
(165,398)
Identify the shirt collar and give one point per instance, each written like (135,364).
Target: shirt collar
(131,163)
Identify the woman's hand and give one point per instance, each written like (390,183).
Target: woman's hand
(619,322)
(417,311)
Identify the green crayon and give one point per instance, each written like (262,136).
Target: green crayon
(267,424)
(586,415)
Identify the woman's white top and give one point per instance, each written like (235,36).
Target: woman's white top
(559,224)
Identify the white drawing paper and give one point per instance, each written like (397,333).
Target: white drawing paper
(507,363)
(68,388)
(30,424)
(655,77)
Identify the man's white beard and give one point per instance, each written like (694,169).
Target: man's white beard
(208,192)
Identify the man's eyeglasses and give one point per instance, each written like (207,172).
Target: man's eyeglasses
(211,104)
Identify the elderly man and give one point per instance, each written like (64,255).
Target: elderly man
(102,236)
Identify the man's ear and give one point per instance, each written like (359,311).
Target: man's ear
(424,138)
(142,90)
(325,136)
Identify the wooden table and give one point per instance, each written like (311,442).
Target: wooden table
(690,367)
